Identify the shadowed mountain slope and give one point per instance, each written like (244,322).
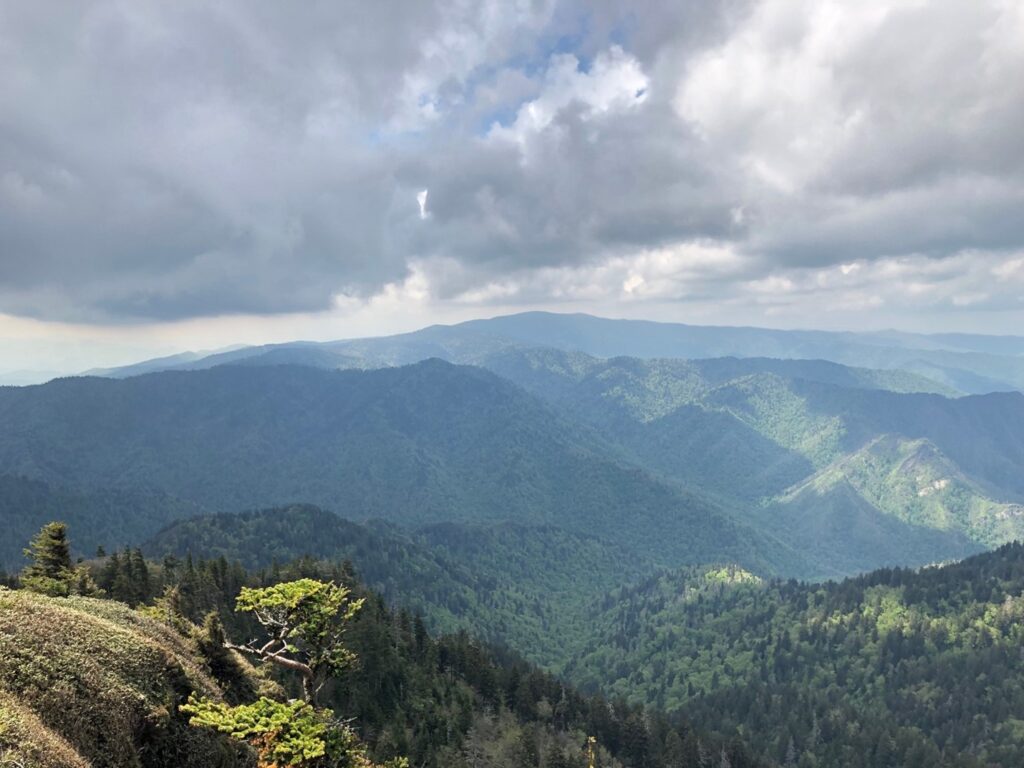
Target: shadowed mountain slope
(425,443)
(107,517)
(526,587)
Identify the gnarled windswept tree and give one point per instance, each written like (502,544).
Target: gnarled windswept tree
(305,621)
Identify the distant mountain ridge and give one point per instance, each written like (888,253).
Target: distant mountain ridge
(968,363)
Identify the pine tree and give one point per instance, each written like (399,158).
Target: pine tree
(139,574)
(50,551)
(50,571)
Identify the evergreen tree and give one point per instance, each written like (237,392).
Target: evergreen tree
(51,571)
(50,553)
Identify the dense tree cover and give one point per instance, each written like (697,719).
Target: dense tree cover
(446,701)
(610,453)
(529,587)
(109,517)
(430,442)
(895,668)
(925,477)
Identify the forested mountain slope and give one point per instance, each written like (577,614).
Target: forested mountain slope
(893,668)
(527,587)
(807,450)
(425,443)
(829,516)
(105,517)
(912,481)
(100,682)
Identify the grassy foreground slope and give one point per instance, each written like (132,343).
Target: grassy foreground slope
(26,741)
(87,682)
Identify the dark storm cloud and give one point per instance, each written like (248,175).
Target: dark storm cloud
(160,161)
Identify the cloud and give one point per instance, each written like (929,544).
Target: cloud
(869,129)
(165,162)
(615,82)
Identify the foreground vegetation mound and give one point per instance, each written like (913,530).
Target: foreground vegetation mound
(92,682)
(25,741)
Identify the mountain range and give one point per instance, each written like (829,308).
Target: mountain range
(972,364)
(674,515)
(430,442)
(795,467)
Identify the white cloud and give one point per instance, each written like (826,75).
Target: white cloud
(823,93)
(1012,269)
(772,91)
(467,35)
(614,82)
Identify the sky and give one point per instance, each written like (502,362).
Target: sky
(193,175)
